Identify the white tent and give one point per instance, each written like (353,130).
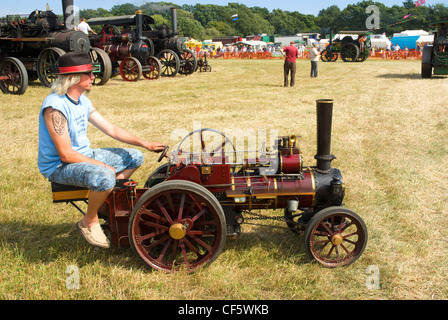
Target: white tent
(429,39)
(410,33)
(254,43)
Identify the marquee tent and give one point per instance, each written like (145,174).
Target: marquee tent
(411,41)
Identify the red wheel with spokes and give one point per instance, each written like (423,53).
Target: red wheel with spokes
(13,76)
(152,68)
(335,236)
(177,224)
(130,69)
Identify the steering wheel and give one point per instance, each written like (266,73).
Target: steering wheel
(163,153)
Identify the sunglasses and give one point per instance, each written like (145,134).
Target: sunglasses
(90,73)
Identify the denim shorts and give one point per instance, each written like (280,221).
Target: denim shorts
(95,177)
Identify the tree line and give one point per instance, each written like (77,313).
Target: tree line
(209,21)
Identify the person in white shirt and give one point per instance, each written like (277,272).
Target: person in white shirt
(314,57)
(84,27)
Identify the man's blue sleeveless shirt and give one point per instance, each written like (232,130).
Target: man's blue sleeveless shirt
(77,116)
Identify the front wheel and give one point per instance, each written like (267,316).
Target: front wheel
(152,68)
(335,236)
(130,69)
(177,225)
(326,55)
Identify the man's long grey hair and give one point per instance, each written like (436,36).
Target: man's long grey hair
(64,82)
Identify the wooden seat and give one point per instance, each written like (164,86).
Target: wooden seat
(65,193)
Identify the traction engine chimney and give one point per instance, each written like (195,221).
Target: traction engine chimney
(324,119)
(68,11)
(139,24)
(174,19)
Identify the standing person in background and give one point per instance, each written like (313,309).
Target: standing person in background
(84,27)
(314,57)
(291,53)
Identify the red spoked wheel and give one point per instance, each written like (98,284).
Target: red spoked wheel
(152,69)
(177,225)
(13,76)
(335,236)
(130,69)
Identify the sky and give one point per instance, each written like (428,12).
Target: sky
(303,6)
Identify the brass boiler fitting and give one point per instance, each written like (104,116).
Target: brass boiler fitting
(291,143)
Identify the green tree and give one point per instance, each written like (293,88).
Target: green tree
(188,26)
(249,23)
(123,9)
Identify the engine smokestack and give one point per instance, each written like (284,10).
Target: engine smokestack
(324,118)
(139,24)
(68,10)
(174,20)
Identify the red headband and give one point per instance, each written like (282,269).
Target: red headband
(81,68)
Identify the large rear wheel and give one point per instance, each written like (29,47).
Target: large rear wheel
(13,76)
(189,62)
(427,58)
(48,65)
(177,225)
(170,62)
(349,52)
(101,60)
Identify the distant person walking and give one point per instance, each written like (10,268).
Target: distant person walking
(314,57)
(84,27)
(291,53)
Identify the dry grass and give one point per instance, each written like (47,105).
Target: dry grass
(390,131)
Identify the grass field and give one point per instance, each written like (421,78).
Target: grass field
(390,130)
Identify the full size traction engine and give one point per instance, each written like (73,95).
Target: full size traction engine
(130,52)
(30,49)
(192,204)
(125,37)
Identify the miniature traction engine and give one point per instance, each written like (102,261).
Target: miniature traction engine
(191,205)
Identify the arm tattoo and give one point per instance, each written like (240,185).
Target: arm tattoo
(59,122)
